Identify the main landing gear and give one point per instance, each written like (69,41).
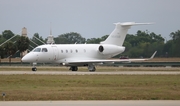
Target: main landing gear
(91,68)
(73,68)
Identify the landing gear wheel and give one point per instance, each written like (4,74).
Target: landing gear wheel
(91,68)
(34,69)
(73,68)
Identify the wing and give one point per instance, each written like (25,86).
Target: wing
(75,61)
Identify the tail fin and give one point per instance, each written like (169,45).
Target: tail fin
(118,35)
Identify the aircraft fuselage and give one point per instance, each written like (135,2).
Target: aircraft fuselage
(60,53)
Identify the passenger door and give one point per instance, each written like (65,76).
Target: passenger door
(55,53)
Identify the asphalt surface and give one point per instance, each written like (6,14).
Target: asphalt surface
(91,73)
(93,103)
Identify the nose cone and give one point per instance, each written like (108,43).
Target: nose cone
(27,58)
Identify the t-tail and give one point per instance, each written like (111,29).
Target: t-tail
(118,35)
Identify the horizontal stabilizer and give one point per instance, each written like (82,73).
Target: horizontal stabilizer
(132,23)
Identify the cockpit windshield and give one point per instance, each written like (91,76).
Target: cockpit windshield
(37,50)
(44,50)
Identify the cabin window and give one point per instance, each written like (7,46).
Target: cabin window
(37,50)
(84,50)
(61,51)
(66,51)
(71,51)
(44,50)
(76,50)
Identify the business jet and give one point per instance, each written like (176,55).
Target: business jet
(74,55)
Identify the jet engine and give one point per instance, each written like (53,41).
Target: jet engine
(107,49)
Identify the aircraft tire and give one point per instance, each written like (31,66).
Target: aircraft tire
(34,69)
(74,68)
(93,70)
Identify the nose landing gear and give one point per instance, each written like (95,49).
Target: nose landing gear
(34,67)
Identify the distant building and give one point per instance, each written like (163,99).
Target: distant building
(50,38)
(24,33)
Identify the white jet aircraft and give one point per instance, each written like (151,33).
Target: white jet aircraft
(75,55)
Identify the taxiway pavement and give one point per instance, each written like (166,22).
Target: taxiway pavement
(93,103)
(91,73)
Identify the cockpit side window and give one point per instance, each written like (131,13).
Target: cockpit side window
(44,50)
(37,50)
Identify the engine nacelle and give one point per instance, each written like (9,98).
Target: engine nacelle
(108,49)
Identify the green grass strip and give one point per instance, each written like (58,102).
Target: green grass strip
(90,87)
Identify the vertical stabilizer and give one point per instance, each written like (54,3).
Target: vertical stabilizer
(118,35)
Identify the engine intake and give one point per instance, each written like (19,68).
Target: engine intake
(101,48)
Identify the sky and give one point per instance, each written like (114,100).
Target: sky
(90,18)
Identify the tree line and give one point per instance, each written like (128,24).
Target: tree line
(15,44)
(141,44)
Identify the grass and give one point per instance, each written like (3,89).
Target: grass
(90,87)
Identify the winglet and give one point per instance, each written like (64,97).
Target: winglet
(153,55)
